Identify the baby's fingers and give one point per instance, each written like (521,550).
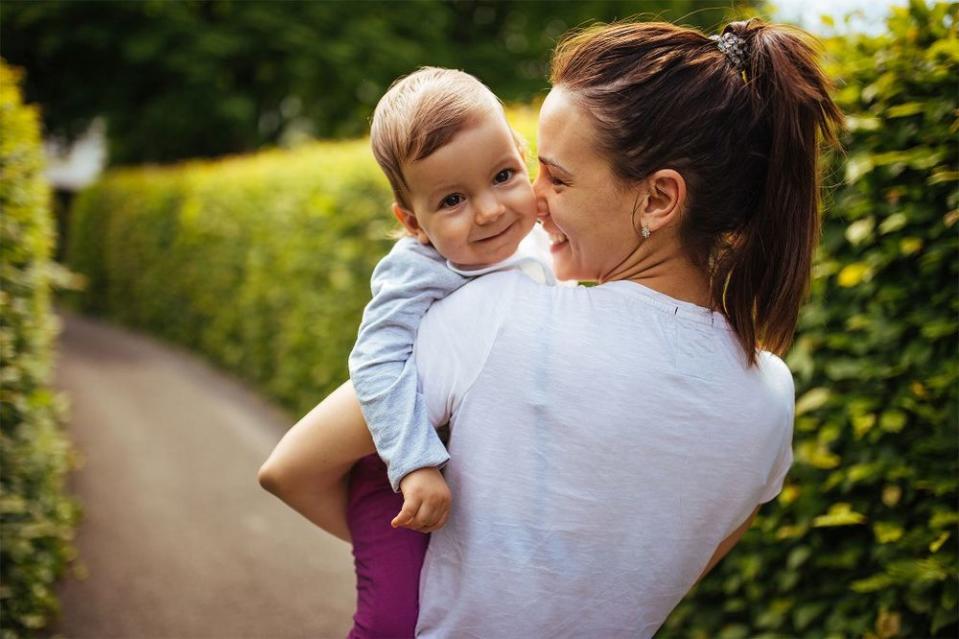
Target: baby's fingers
(426,517)
(439,524)
(407,514)
(433,512)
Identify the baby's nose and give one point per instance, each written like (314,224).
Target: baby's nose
(489,209)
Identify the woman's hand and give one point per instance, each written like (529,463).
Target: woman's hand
(426,501)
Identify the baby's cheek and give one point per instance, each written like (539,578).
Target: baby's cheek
(525,200)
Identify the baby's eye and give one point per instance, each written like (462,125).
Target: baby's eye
(503,176)
(451,200)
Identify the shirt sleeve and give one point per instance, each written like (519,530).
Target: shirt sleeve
(784,459)
(775,486)
(404,284)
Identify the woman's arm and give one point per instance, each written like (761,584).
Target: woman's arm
(309,467)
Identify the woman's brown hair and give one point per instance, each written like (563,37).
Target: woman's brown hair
(744,132)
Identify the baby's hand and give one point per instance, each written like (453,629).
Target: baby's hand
(426,501)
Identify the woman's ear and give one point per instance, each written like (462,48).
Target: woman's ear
(410,223)
(663,200)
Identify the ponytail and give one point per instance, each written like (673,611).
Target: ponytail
(740,116)
(761,280)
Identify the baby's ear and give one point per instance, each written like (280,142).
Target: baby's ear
(410,223)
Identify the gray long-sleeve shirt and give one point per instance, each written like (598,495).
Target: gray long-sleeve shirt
(405,284)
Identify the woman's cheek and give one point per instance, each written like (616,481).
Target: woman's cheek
(557,207)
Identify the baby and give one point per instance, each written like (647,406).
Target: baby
(463,196)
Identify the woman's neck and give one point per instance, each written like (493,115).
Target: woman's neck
(661,263)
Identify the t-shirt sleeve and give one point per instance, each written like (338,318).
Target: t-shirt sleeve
(456,337)
(775,486)
(784,459)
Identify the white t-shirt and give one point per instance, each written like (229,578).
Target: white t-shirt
(604,441)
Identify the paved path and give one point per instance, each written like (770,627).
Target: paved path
(179,540)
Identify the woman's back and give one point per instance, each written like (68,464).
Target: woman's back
(604,442)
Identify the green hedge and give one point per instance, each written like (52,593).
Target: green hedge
(262,264)
(36,517)
(862,541)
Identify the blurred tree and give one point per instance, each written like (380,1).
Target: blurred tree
(190,78)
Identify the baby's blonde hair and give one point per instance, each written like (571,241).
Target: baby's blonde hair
(420,113)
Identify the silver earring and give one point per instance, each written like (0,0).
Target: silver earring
(645,232)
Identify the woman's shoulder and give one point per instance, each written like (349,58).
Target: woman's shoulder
(475,308)
(492,290)
(775,368)
(458,332)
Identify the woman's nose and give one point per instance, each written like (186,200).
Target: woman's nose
(538,185)
(542,208)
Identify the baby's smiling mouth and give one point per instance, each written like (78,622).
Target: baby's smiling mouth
(497,234)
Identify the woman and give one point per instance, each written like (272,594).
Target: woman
(610,444)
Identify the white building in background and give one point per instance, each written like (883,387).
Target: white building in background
(70,168)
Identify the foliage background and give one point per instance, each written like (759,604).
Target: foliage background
(189,78)
(863,539)
(36,516)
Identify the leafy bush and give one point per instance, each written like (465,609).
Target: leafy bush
(36,517)
(260,262)
(862,540)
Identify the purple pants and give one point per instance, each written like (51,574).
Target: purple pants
(388,560)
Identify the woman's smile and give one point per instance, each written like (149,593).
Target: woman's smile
(557,241)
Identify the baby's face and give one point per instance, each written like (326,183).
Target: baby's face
(472,198)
